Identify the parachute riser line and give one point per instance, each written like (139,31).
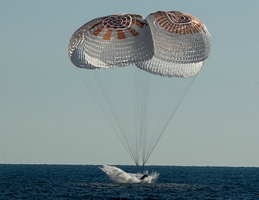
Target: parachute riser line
(150,151)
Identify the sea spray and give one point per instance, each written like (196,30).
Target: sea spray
(118,175)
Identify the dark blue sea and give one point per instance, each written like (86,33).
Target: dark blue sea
(90,182)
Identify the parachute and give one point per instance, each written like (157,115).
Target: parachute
(139,70)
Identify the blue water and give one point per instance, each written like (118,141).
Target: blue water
(89,182)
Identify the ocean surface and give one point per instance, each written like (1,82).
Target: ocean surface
(122,182)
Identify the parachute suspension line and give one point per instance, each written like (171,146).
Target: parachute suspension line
(152,148)
(130,133)
(146,132)
(141,93)
(97,102)
(105,114)
(137,137)
(108,102)
(127,145)
(146,115)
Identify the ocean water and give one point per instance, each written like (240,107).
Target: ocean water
(122,182)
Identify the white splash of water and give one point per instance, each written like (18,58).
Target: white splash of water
(119,176)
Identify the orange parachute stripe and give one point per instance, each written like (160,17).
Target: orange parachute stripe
(99,30)
(138,23)
(133,32)
(121,35)
(107,35)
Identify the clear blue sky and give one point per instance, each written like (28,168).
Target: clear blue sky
(47,115)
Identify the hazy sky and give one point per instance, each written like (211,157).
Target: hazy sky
(47,115)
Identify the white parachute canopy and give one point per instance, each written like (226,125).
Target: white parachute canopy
(181,44)
(168,48)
